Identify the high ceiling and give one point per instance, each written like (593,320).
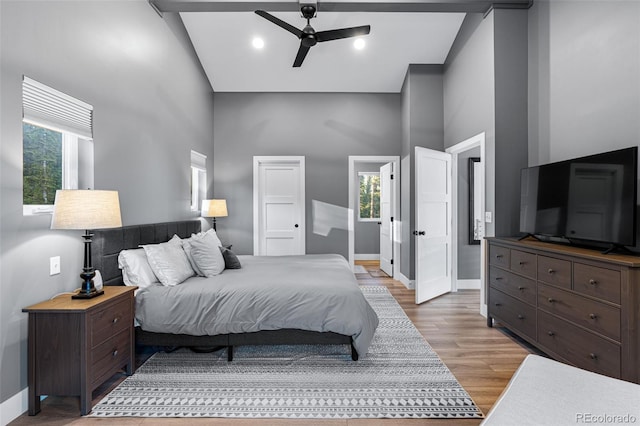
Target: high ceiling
(414,32)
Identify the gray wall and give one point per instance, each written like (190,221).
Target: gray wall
(422,121)
(152,105)
(468,254)
(324,127)
(366,236)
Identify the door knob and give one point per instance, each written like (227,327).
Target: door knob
(419,233)
(296,225)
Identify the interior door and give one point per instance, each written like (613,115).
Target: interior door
(433,224)
(386,225)
(280,197)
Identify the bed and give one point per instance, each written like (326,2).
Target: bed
(311,299)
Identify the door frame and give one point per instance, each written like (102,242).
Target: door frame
(353,160)
(279,159)
(473,142)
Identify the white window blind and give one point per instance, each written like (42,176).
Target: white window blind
(48,107)
(198,161)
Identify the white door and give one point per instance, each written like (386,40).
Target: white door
(386,225)
(433,224)
(279,206)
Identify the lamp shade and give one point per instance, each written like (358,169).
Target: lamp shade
(214,208)
(86,209)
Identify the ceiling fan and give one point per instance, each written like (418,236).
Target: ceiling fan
(308,36)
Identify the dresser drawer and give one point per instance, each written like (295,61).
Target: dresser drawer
(514,285)
(518,315)
(578,346)
(554,271)
(597,282)
(110,356)
(110,321)
(523,263)
(596,316)
(499,256)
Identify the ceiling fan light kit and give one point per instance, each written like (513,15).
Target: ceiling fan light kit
(308,36)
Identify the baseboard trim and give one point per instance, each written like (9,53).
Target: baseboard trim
(409,284)
(13,407)
(372,256)
(468,284)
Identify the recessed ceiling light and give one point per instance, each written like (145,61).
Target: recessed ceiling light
(358,43)
(258,43)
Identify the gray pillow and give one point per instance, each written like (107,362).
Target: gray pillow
(207,256)
(230,259)
(168,261)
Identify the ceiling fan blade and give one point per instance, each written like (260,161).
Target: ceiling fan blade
(302,53)
(343,33)
(279,22)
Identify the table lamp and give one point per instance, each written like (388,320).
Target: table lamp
(214,208)
(86,209)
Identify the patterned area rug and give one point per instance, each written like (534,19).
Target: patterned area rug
(400,377)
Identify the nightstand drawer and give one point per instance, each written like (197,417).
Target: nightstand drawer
(520,316)
(597,282)
(514,285)
(554,271)
(110,321)
(578,346)
(594,315)
(523,263)
(499,256)
(110,356)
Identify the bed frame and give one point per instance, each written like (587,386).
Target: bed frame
(107,244)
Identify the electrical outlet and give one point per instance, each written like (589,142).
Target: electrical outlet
(488,217)
(54,265)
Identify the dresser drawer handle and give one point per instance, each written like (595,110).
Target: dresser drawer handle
(593,316)
(551,300)
(520,316)
(498,304)
(115,353)
(499,256)
(551,333)
(551,271)
(593,282)
(115,320)
(498,278)
(521,288)
(522,262)
(593,356)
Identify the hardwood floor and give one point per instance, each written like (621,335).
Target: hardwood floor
(482,359)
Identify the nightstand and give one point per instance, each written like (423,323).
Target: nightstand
(75,345)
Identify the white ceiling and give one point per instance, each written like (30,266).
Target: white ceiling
(222,41)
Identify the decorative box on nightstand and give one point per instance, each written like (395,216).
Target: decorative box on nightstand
(75,345)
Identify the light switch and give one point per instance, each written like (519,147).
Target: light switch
(488,217)
(54,265)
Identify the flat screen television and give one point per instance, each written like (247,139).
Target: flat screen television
(582,201)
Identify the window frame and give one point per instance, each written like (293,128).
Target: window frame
(366,219)
(198,185)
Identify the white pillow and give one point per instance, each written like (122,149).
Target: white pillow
(169,261)
(186,245)
(136,270)
(207,255)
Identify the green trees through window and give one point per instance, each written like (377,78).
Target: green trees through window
(42,162)
(369,196)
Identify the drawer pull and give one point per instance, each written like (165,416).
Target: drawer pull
(551,333)
(593,282)
(521,288)
(551,300)
(520,316)
(115,353)
(499,256)
(498,278)
(593,316)
(593,356)
(115,320)
(498,304)
(522,262)
(551,271)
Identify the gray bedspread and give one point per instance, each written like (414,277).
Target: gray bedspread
(311,292)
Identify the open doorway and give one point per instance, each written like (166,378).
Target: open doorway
(365,226)
(468,207)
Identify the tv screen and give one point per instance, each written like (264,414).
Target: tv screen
(587,199)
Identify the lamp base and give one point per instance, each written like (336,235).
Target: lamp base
(84,295)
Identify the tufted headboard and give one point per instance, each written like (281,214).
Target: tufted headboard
(107,243)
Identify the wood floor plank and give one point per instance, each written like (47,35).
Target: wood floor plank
(482,359)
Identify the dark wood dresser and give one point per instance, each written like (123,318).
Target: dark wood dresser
(577,305)
(75,345)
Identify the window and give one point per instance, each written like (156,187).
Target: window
(198,180)
(369,204)
(57,146)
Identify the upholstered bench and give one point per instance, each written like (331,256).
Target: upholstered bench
(547,392)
